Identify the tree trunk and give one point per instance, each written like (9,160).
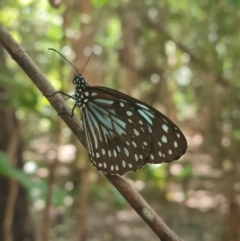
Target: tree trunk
(14,217)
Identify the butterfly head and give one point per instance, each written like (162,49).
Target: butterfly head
(78,79)
(80,89)
(79,82)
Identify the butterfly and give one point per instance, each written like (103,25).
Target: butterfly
(123,133)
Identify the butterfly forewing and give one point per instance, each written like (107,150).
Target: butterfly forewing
(118,138)
(123,133)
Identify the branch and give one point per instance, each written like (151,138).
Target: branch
(130,194)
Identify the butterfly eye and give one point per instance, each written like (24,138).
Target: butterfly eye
(75,80)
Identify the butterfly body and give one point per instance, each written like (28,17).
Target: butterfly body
(123,133)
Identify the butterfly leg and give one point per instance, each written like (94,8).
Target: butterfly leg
(66,113)
(73,110)
(62,93)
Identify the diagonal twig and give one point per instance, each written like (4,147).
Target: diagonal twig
(128,192)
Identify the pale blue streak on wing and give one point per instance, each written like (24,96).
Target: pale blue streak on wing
(91,128)
(143,106)
(105,133)
(118,129)
(96,125)
(149,113)
(99,109)
(113,111)
(88,139)
(102,118)
(145,116)
(89,143)
(119,125)
(112,134)
(149,129)
(119,122)
(103,101)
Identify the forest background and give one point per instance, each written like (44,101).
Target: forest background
(182,57)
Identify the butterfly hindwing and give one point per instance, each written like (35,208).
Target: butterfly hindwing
(169,143)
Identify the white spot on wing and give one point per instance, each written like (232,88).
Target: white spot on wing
(134,144)
(164,139)
(126,151)
(136,132)
(175,144)
(165,127)
(136,157)
(143,106)
(129,113)
(123,163)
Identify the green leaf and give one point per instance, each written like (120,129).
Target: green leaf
(186,172)
(18,175)
(99,3)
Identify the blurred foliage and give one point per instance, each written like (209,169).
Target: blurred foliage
(27,182)
(188,67)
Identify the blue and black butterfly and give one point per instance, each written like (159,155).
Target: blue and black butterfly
(122,133)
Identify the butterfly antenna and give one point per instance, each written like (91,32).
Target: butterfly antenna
(86,62)
(65,59)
